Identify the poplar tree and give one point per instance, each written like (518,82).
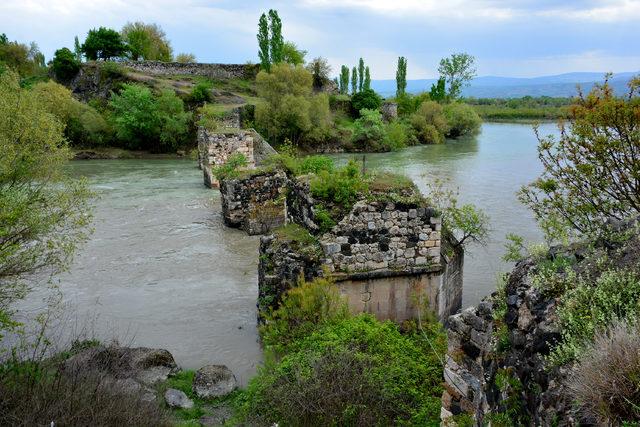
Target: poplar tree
(77,49)
(263,43)
(360,74)
(367,79)
(354,80)
(344,79)
(401,76)
(276,41)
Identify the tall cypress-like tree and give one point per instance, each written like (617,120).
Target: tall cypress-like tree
(354,80)
(263,43)
(367,79)
(360,74)
(344,79)
(77,49)
(277,41)
(401,76)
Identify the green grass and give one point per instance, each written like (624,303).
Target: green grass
(183,381)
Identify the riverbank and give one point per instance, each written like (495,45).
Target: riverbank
(114,153)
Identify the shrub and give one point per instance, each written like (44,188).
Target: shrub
(231,167)
(396,136)
(369,131)
(341,186)
(201,92)
(65,65)
(143,121)
(356,371)
(605,382)
(303,309)
(461,120)
(587,177)
(315,164)
(366,99)
(186,58)
(113,70)
(589,307)
(290,111)
(83,124)
(409,104)
(430,123)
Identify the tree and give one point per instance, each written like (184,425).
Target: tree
(462,119)
(458,72)
(147,41)
(25,60)
(591,173)
(77,49)
(186,58)
(103,43)
(320,69)
(44,215)
(366,99)
(430,123)
(401,76)
(276,42)
(344,79)
(354,80)
(289,105)
(65,65)
(291,54)
(360,74)
(3,39)
(263,43)
(438,91)
(367,79)
(144,122)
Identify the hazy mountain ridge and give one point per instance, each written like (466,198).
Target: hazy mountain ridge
(561,85)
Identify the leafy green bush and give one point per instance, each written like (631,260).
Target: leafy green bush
(409,104)
(111,69)
(461,120)
(396,136)
(589,307)
(354,371)
(65,65)
(430,123)
(366,99)
(231,168)
(201,92)
(369,131)
(303,309)
(84,125)
(143,121)
(341,186)
(315,164)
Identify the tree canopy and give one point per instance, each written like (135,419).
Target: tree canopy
(147,41)
(103,43)
(458,71)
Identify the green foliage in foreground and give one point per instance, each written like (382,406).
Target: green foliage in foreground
(590,307)
(334,369)
(231,168)
(43,215)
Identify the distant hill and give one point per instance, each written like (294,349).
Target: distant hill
(561,85)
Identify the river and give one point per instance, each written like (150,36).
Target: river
(161,269)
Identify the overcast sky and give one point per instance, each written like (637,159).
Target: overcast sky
(518,38)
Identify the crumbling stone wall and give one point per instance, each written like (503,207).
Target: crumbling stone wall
(383,236)
(480,349)
(255,203)
(213,71)
(215,149)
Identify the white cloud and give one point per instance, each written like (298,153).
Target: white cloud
(602,10)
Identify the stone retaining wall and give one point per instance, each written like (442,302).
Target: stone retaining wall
(255,203)
(214,71)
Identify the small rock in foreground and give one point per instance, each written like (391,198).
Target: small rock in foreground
(177,399)
(213,381)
